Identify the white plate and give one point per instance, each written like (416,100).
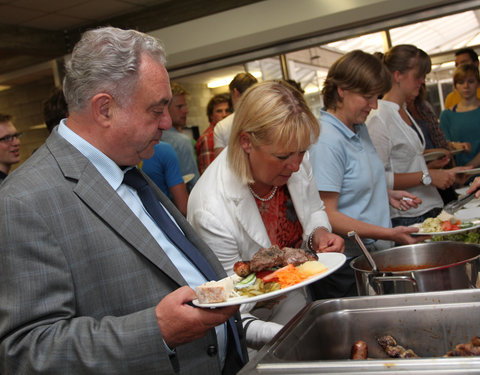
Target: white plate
(188,177)
(445,233)
(458,151)
(332,261)
(429,156)
(470,171)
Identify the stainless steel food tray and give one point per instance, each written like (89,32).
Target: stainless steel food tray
(319,339)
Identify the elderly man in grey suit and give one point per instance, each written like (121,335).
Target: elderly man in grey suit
(90,283)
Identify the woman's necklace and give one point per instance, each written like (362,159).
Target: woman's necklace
(266,199)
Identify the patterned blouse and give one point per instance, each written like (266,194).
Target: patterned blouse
(280,219)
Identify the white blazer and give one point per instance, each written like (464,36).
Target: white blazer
(223,212)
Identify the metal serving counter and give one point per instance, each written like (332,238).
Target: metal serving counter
(319,339)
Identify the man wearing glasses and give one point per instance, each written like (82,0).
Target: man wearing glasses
(9,145)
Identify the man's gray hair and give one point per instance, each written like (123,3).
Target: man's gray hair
(107,60)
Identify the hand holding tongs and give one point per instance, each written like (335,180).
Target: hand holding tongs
(454,206)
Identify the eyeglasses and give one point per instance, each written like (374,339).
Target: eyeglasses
(9,138)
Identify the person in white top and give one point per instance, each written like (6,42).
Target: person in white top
(399,140)
(261,192)
(221,133)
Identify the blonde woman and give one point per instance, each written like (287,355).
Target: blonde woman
(261,192)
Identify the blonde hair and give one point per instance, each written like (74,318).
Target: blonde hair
(271,112)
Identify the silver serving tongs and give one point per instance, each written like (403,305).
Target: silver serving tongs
(454,206)
(365,251)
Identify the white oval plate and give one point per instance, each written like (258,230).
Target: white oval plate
(470,171)
(429,156)
(333,261)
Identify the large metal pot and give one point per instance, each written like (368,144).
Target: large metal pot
(425,267)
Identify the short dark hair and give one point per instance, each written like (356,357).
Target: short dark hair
(55,108)
(218,99)
(473,55)
(241,82)
(356,71)
(4,117)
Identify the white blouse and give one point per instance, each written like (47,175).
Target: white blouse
(401,148)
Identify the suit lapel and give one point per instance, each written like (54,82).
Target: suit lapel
(99,196)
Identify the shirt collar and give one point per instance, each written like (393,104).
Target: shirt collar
(105,166)
(340,126)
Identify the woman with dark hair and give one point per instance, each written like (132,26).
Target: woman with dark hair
(399,140)
(349,174)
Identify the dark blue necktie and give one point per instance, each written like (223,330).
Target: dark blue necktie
(134,178)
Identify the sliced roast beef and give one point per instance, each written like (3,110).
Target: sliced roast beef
(267,258)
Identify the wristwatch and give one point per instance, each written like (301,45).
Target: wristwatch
(426,179)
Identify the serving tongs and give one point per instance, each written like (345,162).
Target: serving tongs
(454,206)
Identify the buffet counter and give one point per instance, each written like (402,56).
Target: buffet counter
(319,339)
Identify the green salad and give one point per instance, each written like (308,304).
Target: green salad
(471,236)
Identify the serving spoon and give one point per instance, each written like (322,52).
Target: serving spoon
(364,250)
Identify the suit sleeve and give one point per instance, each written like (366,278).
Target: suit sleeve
(42,329)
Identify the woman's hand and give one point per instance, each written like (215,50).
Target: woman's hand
(403,200)
(475,185)
(403,235)
(461,178)
(441,162)
(443,178)
(466,146)
(324,241)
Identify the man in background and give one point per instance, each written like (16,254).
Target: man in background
(181,143)
(219,107)
(239,84)
(462,56)
(9,145)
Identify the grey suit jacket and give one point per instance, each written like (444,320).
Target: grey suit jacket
(80,276)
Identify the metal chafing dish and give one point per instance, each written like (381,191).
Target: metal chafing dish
(319,339)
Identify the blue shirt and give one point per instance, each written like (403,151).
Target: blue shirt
(114,176)
(183,146)
(347,163)
(163,167)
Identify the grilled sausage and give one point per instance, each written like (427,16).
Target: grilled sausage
(359,350)
(242,268)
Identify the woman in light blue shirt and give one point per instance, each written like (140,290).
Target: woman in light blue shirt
(349,174)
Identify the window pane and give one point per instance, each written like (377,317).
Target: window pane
(441,34)
(265,69)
